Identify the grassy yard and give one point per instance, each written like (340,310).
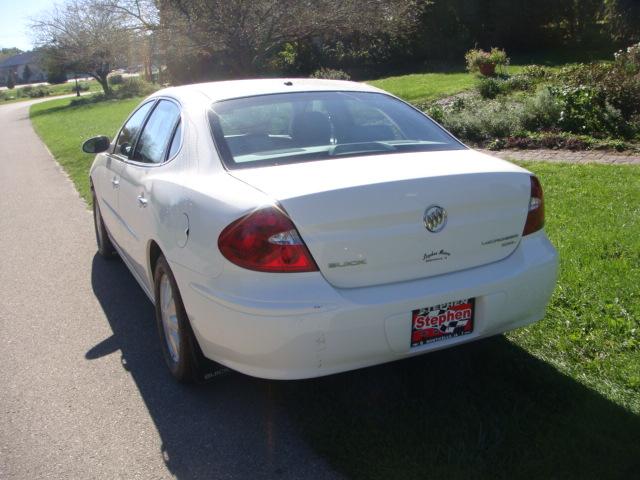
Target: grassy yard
(419,88)
(64,128)
(422,87)
(559,399)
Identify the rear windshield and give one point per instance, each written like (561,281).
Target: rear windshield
(309,126)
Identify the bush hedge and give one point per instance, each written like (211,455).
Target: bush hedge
(598,100)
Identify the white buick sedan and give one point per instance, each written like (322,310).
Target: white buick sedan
(291,229)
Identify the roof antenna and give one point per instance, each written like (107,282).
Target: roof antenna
(288,83)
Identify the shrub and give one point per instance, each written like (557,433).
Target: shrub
(489,87)
(436,112)
(616,82)
(622,90)
(586,110)
(134,87)
(583,74)
(33,92)
(484,120)
(131,87)
(56,76)
(486,62)
(83,87)
(536,72)
(629,59)
(38,92)
(517,83)
(116,79)
(330,74)
(541,111)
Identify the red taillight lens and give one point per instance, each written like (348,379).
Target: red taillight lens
(535,218)
(267,241)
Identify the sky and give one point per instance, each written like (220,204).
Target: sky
(14,21)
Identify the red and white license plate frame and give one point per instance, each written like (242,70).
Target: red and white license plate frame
(442,322)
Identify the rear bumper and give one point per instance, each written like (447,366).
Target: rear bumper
(310,329)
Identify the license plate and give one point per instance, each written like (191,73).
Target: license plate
(441,322)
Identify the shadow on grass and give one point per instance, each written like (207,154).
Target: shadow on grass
(51,110)
(487,410)
(560,57)
(74,103)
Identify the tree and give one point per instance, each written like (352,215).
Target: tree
(623,18)
(82,36)
(26,74)
(9,52)
(11,80)
(142,17)
(241,37)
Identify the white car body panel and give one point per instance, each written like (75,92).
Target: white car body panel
(359,209)
(308,328)
(301,325)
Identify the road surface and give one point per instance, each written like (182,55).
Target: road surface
(83,391)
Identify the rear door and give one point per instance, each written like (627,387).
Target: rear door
(109,177)
(153,148)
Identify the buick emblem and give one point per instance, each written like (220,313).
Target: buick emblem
(435,218)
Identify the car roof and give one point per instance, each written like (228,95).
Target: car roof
(225,90)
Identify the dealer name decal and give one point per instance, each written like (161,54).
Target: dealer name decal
(435,256)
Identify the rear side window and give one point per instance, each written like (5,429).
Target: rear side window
(157,133)
(129,132)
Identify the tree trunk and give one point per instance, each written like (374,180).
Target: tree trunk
(104,83)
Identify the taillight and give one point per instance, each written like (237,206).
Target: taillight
(267,241)
(535,217)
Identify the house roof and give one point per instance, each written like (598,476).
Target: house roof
(20,59)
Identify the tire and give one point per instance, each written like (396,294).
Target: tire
(179,346)
(105,247)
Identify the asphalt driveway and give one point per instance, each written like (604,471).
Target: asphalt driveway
(83,391)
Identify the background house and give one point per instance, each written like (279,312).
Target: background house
(25,67)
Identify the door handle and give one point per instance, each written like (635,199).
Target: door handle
(115,182)
(142,202)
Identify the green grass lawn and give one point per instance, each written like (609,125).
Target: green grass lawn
(559,399)
(64,128)
(419,88)
(422,87)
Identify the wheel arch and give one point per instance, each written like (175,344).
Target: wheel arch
(153,254)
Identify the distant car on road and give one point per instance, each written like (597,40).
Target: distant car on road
(291,229)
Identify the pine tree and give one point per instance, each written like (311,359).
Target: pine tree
(11,81)
(26,74)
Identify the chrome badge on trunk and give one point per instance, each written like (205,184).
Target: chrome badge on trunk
(435,218)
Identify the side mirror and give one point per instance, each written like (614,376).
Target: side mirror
(96,144)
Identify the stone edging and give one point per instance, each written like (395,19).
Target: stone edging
(568,156)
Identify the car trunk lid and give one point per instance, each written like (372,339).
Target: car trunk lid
(363,218)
